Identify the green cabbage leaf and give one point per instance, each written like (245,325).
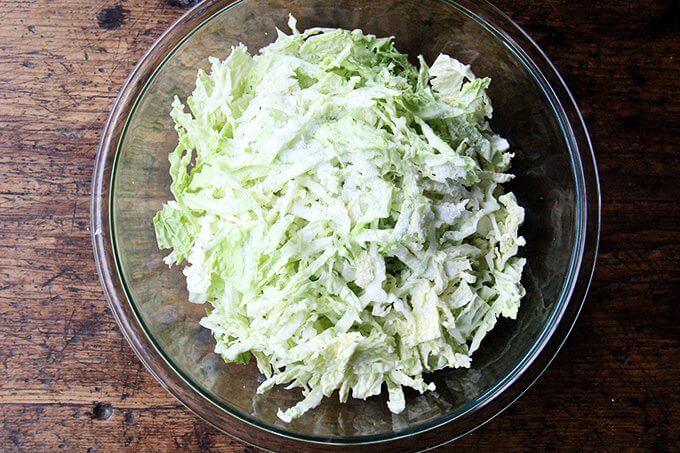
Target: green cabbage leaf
(341,212)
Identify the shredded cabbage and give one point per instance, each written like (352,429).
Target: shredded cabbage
(340,211)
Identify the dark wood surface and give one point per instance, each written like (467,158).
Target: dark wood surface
(68,379)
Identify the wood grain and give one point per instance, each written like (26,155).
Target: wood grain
(63,360)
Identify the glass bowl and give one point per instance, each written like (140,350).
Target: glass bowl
(556,183)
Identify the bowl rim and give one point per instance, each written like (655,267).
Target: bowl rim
(427,434)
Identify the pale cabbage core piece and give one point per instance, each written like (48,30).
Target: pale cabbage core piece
(341,212)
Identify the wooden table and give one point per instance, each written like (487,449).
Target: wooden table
(68,379)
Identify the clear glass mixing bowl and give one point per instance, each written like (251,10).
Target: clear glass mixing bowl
(556,183)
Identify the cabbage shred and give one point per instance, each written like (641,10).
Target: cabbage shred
(341,212)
